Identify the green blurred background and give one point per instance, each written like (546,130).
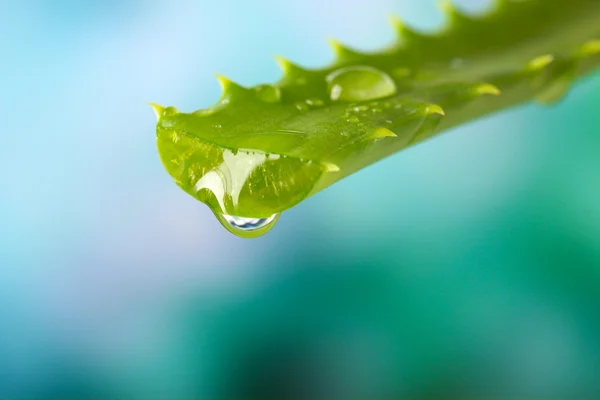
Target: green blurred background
(466,267)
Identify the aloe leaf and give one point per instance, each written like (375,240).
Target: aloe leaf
(260,151)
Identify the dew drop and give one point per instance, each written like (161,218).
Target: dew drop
(401,73)
(456,63)
(425,76)
(360,84)
(247,227)
(302,106)
(360,108)
(170,111)
(315,102)
(268,93)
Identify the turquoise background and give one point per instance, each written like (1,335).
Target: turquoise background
(467,266)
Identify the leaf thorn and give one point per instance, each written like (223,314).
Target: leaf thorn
(487,88)
(540,62)
(435,109)
(158,109)
(590,48)
(330,167)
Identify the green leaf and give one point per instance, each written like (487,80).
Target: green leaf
(260,151)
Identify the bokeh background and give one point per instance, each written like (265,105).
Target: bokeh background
(466,266)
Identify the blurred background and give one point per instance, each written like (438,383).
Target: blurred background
(466,266)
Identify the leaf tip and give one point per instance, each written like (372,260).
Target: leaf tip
(404,32)
(447,7)
(283,63)
(227,85)
(223,81)
(396,23)
(288,67)
(342,52)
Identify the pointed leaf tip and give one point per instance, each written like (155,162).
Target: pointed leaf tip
(223,81)
(158,109)
(403,31)
(396,23)
(227,84)
(230,88)
(452,12)
(341,51)
(447,7)
(286,65)
(283,63)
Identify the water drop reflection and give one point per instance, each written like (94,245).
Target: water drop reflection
(248,227)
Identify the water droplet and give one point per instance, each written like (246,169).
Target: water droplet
(302,106)
(249,224)
(315,102)
(167,123)
(268,93)
(424,76)
(401,73)
(247,227)
(360,108)
(456,63)
(171,111)
(360,84)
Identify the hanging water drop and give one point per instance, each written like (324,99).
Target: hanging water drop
(247,227)
(360,84)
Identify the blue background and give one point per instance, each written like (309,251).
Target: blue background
(468,265)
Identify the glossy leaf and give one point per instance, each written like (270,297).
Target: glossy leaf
(262,150)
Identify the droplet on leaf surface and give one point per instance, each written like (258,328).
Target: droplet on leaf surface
(360,84)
